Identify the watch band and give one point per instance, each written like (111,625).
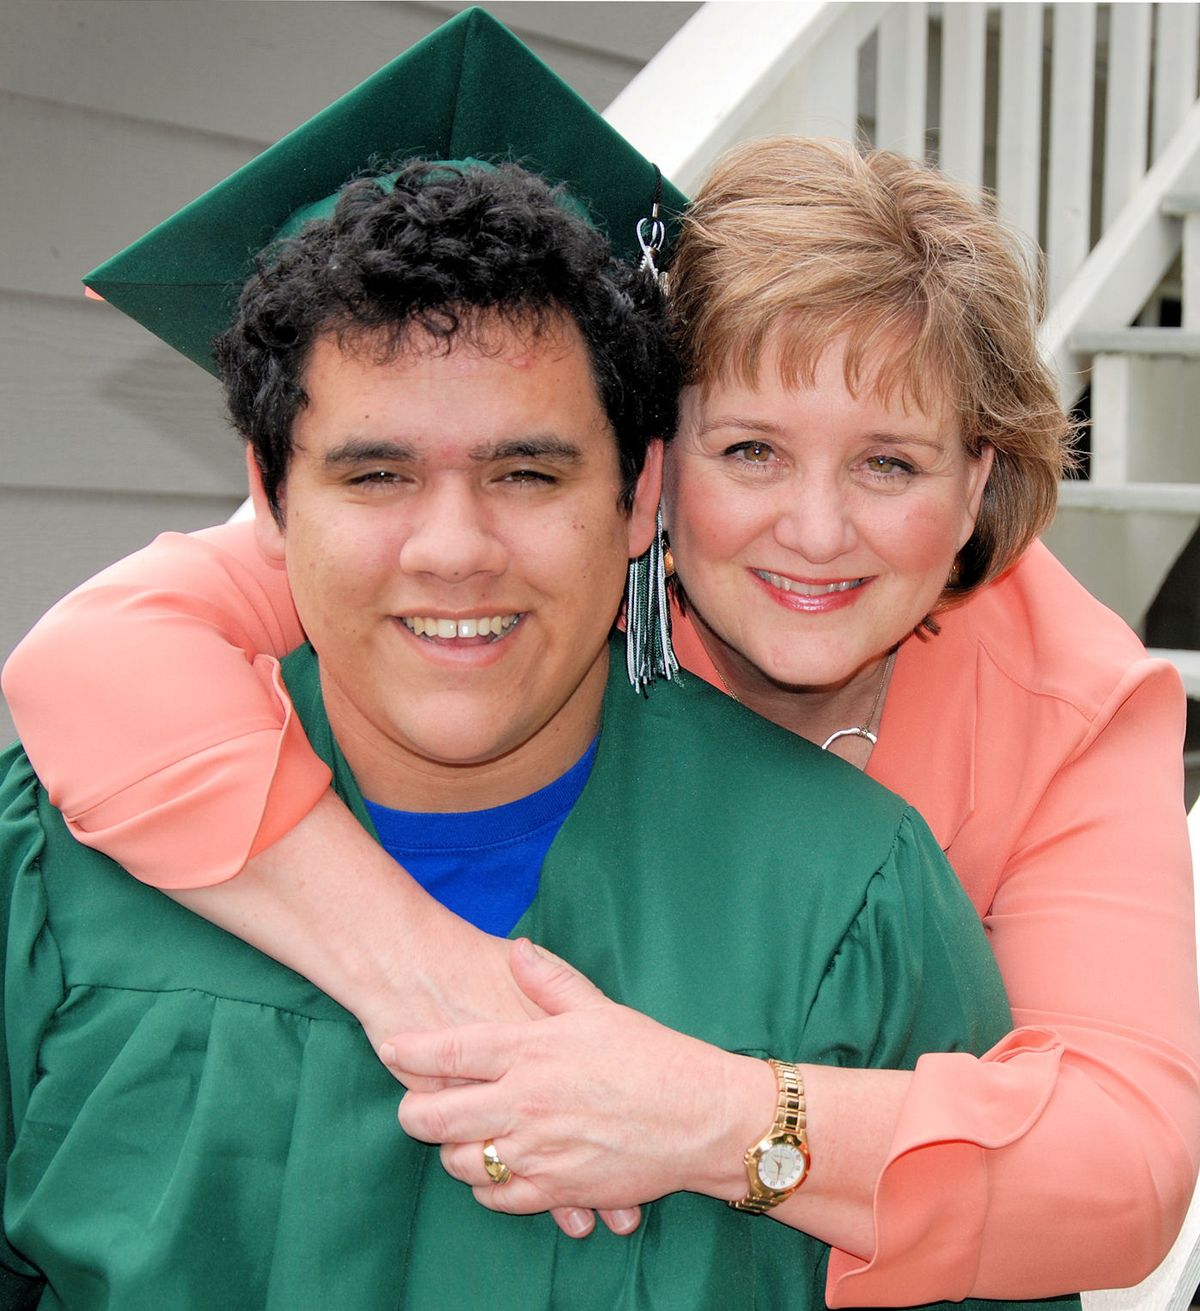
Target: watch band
(789,1130)
(790,1114)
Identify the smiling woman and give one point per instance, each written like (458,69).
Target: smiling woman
(840,515)
(869,446)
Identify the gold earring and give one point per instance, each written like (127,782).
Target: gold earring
(955,573)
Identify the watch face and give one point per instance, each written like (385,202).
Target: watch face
(781,1166)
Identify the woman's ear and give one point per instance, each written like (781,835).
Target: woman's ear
(978,472)
(267,530)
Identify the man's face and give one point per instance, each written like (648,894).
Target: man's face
(457,553)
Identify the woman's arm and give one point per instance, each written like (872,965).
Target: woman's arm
(1066,1157)
(150,703)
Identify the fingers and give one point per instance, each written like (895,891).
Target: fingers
(549,981)
(466,1113)
(516,1196)
(418,1082)
(465,1162)
(624,1221)
(484,1052)
(574,1221)
(475,1052)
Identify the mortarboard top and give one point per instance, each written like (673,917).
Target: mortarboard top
(468,90)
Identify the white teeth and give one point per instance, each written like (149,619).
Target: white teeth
(485,626)
(807,589)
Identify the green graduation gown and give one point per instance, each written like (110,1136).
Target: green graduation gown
(188,1124)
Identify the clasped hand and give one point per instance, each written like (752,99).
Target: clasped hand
(594,1106)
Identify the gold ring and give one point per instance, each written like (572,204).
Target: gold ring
(498,1172)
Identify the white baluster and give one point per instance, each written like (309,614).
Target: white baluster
(1175,71)
(1019,130)
(1128,101)
(964,57)
(1071,101)
(1191,272)
(902,73)
(823,91)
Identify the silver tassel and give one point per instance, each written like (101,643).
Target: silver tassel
(648,651)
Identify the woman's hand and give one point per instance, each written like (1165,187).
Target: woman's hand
(596,1105)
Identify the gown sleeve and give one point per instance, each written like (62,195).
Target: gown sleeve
(31,958)
(151,704)
(1066,1156)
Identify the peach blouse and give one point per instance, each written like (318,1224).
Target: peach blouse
(1034,734)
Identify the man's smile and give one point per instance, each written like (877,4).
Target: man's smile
(491,627)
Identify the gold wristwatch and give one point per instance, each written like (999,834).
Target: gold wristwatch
(778,1163)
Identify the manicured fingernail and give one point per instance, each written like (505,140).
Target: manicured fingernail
(624,1222)
(387,1054)
(578,1223)
(527,949)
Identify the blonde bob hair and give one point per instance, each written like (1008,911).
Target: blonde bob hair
(805,241)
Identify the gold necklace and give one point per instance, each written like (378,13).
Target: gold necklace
(859,730)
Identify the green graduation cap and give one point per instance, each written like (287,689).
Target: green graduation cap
(469,90)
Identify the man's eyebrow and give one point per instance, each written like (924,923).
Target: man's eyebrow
(364,450)
(530,448)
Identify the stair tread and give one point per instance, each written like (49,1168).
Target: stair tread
(1178,498)
(1136,341)
(1179,204)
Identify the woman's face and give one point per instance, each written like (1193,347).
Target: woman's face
(813,529)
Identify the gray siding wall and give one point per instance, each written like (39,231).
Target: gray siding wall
(113,114)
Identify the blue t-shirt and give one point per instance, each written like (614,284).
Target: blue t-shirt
(483,864)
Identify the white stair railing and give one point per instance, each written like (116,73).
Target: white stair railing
(1135,252)
(959,84)
(722,76)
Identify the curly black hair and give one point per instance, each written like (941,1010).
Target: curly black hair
(444,250)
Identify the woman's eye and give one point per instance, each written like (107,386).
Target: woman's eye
(751,452)
(888,466)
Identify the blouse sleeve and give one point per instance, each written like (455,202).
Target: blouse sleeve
(1066,1156)
(151,704)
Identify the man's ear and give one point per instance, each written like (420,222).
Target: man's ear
(643,515)
(268,533)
